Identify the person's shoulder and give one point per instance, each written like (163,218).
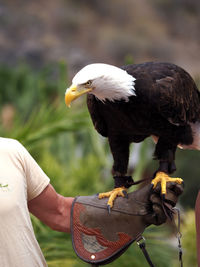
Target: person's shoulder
(9,144)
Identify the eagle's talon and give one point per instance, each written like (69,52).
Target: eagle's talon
(112,195)
(152,186)
(109,209)
(163,178)
(125,193)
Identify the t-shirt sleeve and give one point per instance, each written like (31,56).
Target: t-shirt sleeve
(36,179)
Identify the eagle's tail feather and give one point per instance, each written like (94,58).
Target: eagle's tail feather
(196,137)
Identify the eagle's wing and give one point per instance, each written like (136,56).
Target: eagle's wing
(97,119)
(179,99)
(169,90)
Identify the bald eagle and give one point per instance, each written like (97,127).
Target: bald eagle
(131,103)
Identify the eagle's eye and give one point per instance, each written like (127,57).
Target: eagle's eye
(88,83)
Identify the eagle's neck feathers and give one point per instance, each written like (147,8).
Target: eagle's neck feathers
(108,82)
(114,86)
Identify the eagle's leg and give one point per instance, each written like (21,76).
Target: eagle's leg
(119,146)
(165,152)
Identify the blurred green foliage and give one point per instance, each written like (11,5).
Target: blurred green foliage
(189,239)
(77,160)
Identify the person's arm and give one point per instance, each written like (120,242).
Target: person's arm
(52,209)
(197,217)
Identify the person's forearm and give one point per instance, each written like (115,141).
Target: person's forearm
(52,209)
(197,217)
(61,221)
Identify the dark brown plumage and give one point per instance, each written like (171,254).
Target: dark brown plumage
(166,102)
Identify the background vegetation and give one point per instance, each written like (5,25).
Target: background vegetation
(63,142)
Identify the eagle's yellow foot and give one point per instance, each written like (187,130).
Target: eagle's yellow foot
(112,195)
(163,178)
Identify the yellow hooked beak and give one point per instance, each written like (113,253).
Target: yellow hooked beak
(72,93)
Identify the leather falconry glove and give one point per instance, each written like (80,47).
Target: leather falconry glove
(99,237)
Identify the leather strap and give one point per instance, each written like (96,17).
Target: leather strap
(142,245)
(141,241)
(127,181)
(178,236)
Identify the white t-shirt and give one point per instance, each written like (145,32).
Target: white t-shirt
(21,179)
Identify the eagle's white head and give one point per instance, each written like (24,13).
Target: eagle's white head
(105,81)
